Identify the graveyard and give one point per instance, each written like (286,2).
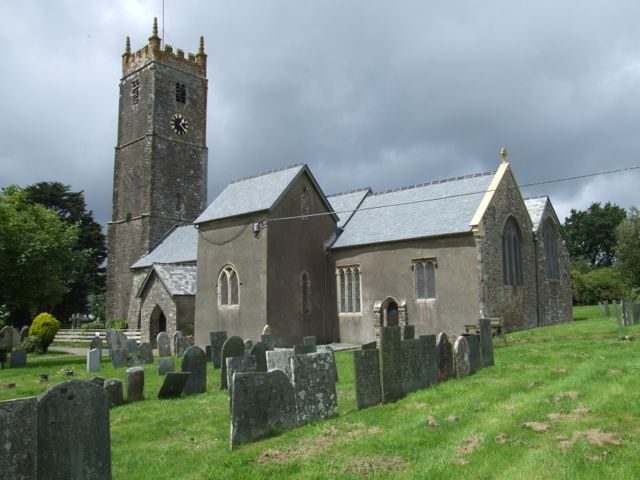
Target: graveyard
(560,402)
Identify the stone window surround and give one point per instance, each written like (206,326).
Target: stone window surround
(513,277)
(551,246)
(356,307)
(424,260)
(227,270)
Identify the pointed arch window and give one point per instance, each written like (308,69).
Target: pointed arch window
(305,284)
(349,293)
(551,250)
(228,287)
(425,273)
(511,255)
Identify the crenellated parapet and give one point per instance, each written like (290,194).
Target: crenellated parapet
(194,64)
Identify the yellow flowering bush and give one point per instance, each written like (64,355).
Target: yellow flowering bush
(45,326)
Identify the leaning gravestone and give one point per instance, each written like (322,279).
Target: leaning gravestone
(93,360)
(267,340)
(194,360)
(96,342)
(164,344)
(314,386)
(134,379)
(173,384)
(412,365)
(429,342)
(165,365)
(119,358)
(486,342)
(366,370)
(461,348)
(259,351)
(232,347)
(182,344)
(19,438)
(18,359)
(310,340)
(280,360)
(303,349)
(217,340)
(246,363)
(391,364)
(24,333)
(177,334)
(73,432)
(113,387)
(475,362)
(445,358)
(264,402)
(145,352)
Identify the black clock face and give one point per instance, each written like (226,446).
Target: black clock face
(179,124)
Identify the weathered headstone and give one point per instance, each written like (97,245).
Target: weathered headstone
(24,333)
(264,402)
(486,342)
(19,438)
(118,358)
(182,344)
(99,381)
(207,352)
(93,360)
(391,364)
(334,366)
(475,361)
(408,332)
(314,386)
(131,346)
(310,340)
(303,349)
(217,340)
(461,348)
(246,363)
(73,432)
(134,380)
(96,342)
(445,358)
(114,340)
(266,330)
(267,340)
(165,365)
(164,344)
(6,339)
(18,359)
(370,346)
(413,365)
(136,360)
(280,360)
(173,384)
(232,347)
(177,334)
(429,343)
(366,371)
(113,387)
(248,344)
(145,352)
(194,360)
(259,351)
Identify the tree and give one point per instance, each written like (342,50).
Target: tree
(71,208)
(591,233)
(628,249)
(36,255)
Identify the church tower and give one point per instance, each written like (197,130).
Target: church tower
(160,170)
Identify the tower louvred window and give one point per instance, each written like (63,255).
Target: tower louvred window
(228,287)
(181,92)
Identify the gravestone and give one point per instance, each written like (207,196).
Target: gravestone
(280,360)
(475,361)
(96,342)
(217,340)
(134,380)
(131,346)
(635,313)
(119,358)
(145,352)
(182,344)
(408,332)
(18,359)
(248,344)
(73,432)
(486,342)
(246,363)
(93,360)
(267,340)
(24,333)
(413,365)
(113,387)
(370,346)
(6,339)
(173,384)
(391,364)
(445,358)
(99,381)
(429,342)
(194,360)
(207,353)
(264,403)
(616,312)
(266,330)
(303,349)
(461,348)
(164,344)
(19,438)
(177,334)
(314,386)
(366,371)
(260,352)
(165,365)
(333,360)
(136,360)
(114,340)
(232,347)
(310,340)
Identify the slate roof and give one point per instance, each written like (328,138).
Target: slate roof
(180,245)
(177,279)
(416,212)
(535,207)
(345,204)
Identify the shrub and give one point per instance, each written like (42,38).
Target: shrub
(117,324)
(44,326)
(596,285)
(92,326)
(32,344)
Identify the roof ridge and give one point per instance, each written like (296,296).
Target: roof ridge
(434,182)
(535,197)
(281,169)
(350,191)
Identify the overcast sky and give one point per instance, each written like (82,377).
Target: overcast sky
(368,93)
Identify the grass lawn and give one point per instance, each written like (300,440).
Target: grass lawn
(578,383)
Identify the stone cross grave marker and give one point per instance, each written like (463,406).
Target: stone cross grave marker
(391,364)
(461,348)
(93,360)
(366,369)
(134,380)
(217,340)
(259,351)
(232,347)
(445,358)
(164,344)
(486,342)
(113,387)
(182,344)
(18,438)
(165,365)
(177,334)
(173,384)
(246,363)
(194,360)
(145,352)
(475,362)
(314,386)
(280,360)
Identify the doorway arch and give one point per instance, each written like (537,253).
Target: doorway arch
(390,317)
(157,324)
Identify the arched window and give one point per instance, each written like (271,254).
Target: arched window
(425,271)
(511,258)
(228,287)
(348,288)
(551,250)
(305,284)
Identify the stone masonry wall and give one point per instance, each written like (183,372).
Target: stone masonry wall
(155,294)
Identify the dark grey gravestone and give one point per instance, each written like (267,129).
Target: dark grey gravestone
(266,330)
(145,352)
(244,364)
(96,343)
(461,348)
(134,380)
(207,352)
(366,370)
(232,347)
(429,342)
(310,340)
(370,346)
(113,387)
(18,359)
(93,360)
(475,361)
(412,365)
(264,404)
(173,384)
(164,344)
(99,381)
(486,342)
(165,365)
(445,358)
(131,346)
(19,438)
(6,339)
(409,332)
(391,364)
(259,351)
(176,335)
(182,344)
(280,360)
(267,340)
(136,360)
(248,344)
(194,360)
(217,340)
(314,386)
(113,340)
(73,432)
(24,333)
(334,366)
(303,349)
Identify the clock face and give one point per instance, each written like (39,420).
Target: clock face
(179,124)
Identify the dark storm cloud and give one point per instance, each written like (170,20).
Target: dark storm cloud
(368,93)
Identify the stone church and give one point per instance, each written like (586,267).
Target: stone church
(275,249)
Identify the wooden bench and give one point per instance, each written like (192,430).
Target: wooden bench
(497,328)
